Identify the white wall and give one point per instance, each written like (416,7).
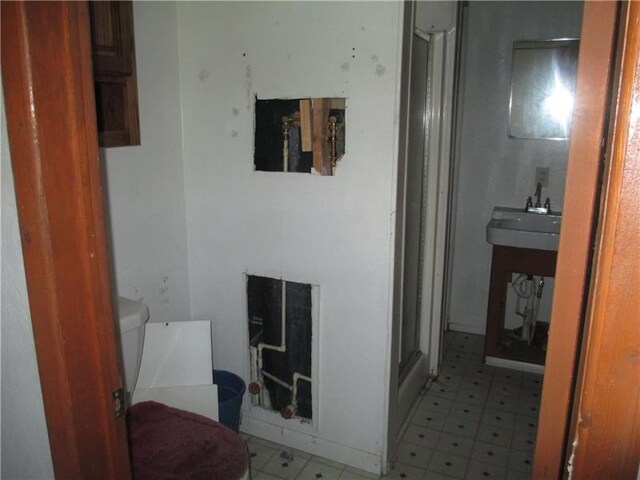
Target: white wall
(331,231)
(25,443)
(493,169)
(145,183)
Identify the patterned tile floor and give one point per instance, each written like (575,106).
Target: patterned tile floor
(473,422)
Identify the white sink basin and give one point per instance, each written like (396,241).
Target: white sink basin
(514,227)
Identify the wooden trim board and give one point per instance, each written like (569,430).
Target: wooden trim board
(49,101)
(576,237)
(605,433)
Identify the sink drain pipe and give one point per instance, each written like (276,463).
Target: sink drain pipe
(524,286)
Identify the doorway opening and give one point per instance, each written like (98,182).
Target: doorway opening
(455,170)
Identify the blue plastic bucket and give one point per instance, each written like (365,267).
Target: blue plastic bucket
(230,392)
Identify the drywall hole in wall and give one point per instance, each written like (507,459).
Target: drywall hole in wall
(280,345)
(303,135)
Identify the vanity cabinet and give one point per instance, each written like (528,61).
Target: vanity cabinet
(504,262)
(114,70)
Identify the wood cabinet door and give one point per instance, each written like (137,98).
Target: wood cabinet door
(114,68)
(112,37)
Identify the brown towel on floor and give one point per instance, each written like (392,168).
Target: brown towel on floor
(171,444)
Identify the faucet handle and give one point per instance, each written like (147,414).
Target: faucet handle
(529,204)
(547,205)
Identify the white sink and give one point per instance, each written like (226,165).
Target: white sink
(514,227)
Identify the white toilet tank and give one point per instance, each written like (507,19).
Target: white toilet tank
(132,315)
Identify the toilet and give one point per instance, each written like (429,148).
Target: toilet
(197,441)
(133,316)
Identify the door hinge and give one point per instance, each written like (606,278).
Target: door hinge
(118,402)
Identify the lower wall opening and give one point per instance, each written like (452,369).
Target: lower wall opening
(280,345)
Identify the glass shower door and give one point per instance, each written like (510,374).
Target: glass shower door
(415,197)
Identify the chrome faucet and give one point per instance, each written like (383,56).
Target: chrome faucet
(538,208)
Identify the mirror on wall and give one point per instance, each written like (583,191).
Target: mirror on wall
(543,78)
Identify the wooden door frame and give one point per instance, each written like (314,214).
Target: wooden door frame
(604,437)
(47,76)
(51,123)
(588,221)
(574,252)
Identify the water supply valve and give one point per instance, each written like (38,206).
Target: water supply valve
(254,388)
(288,412)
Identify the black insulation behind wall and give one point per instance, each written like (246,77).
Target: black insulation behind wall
(265,302)
(269,140)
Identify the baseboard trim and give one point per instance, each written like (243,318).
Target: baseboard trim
(465,328)
(312,444)
(514,365)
